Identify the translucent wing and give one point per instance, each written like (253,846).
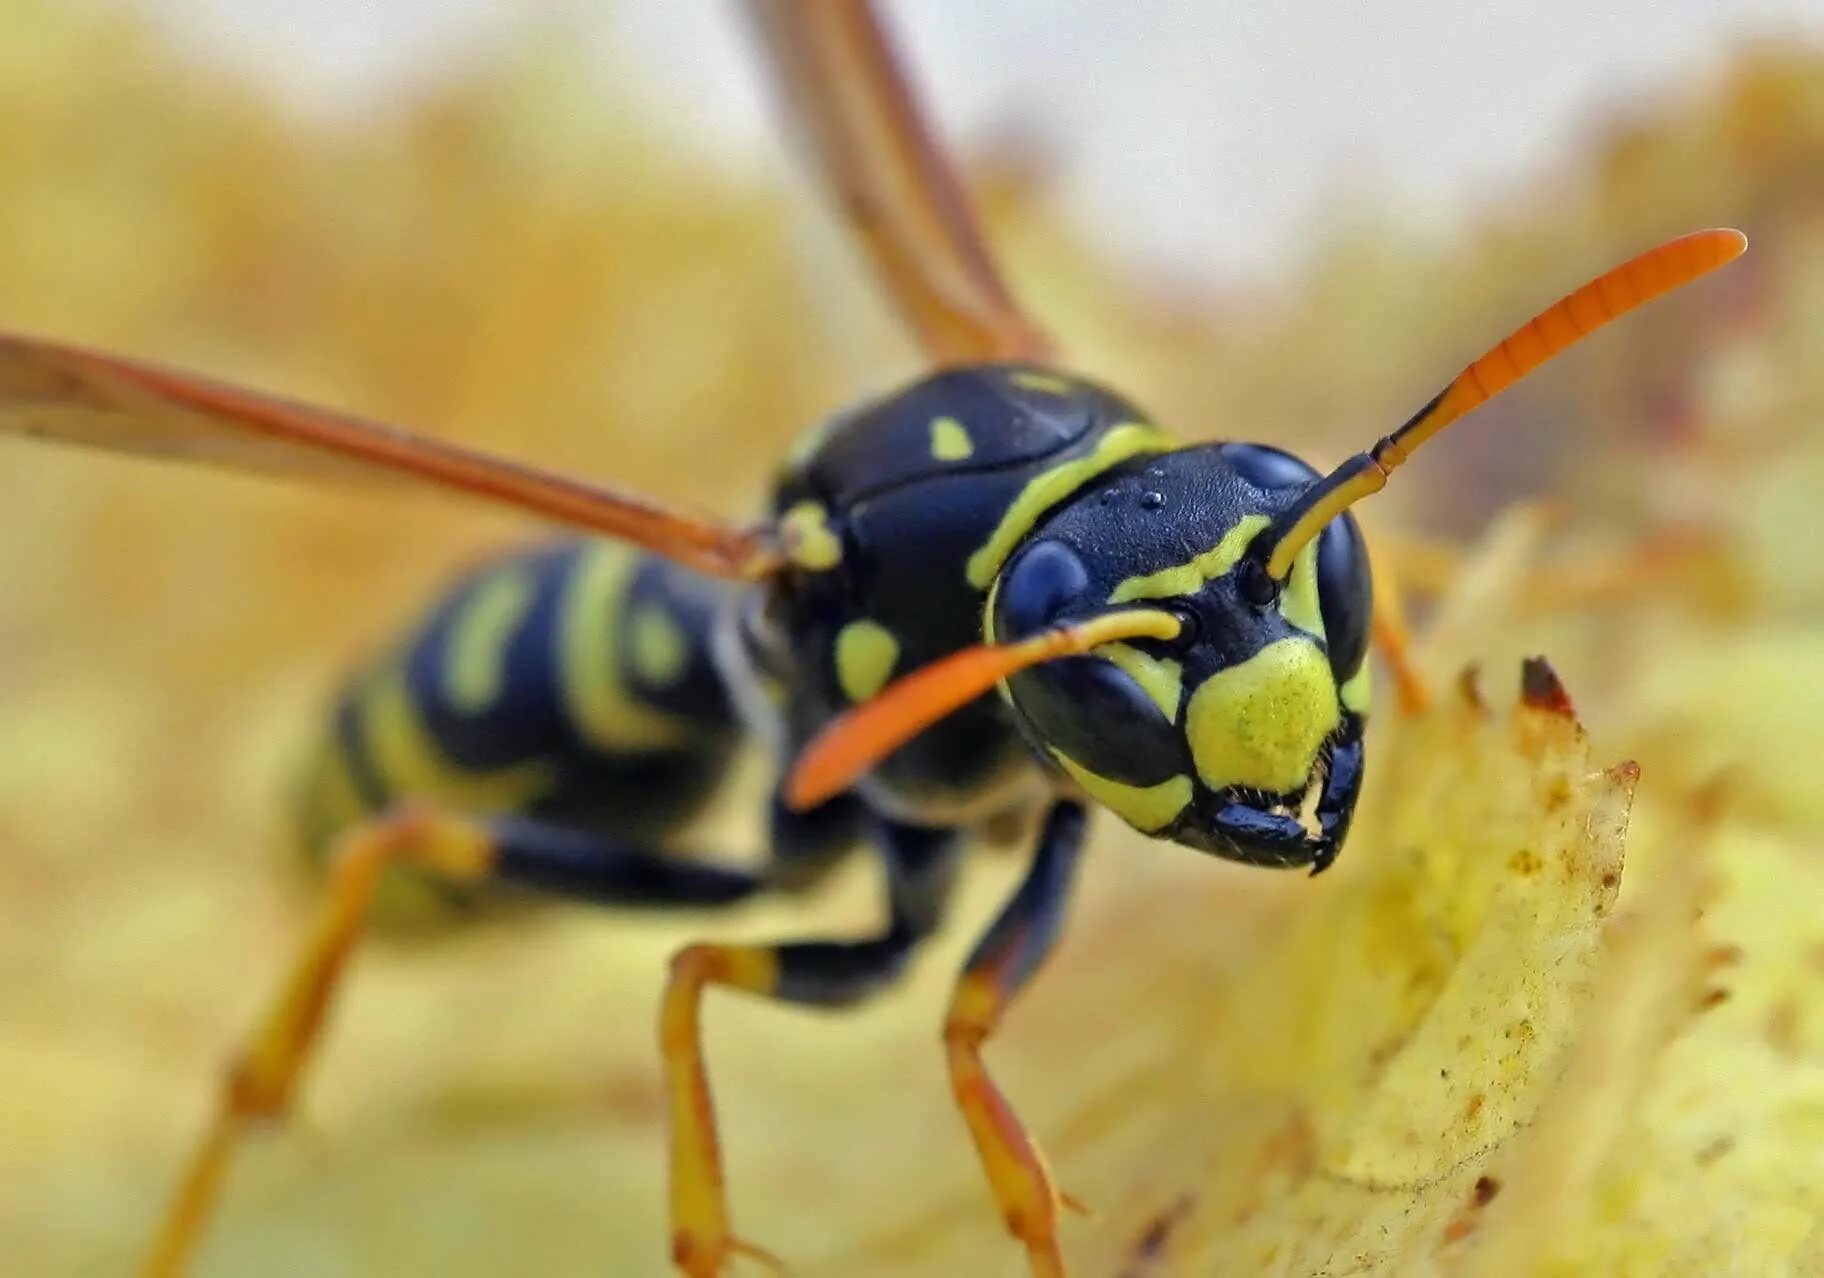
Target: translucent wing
(67,395)
(849,97)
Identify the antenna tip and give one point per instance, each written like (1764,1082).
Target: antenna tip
(1729,242)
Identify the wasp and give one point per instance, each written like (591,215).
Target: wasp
(1001,589)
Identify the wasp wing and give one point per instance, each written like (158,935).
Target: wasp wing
(847,94)
(68,395)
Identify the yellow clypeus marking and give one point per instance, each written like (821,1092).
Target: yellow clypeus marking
(406,757)
(1145,807)
(809,543)
(865,655)
(1048,488)
(475,659)
(660,648)
(1259,724)
(1188,578)
(950,440)
(590,662)
(1161,678)
(1050,383)
(1299,603)
(1356,689)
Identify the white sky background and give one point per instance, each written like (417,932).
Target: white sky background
(1205,136)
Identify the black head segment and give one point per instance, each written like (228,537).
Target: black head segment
(1241,735)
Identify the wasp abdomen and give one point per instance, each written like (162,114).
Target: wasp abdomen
(571,681)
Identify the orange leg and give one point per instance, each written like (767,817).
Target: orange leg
(818,973)
(549,858)
(1664,562)
(1006,958)
(701,1244)
(1392,636)
(826,973)
(263,1076)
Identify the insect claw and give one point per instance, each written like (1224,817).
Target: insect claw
(741,1247)
(1078,1206)
(699,1259)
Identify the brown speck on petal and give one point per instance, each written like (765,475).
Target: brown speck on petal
(1627,772)
(1469,687)
(1541,689)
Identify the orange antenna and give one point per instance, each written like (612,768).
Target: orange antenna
(861,738)
(1561,325)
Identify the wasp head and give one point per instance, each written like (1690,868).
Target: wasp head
(1240,736)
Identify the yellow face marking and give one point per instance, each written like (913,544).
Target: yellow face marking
(1049,383)
(950,440)
(1159,677)
(605,712)
(994,590)
(1356,689)
(809,543)
(1188,578)
(1299,603)
(660,650)
(1048,488)
(1259,724)
(405,755)
(865,655)
(1145,807)
(475,660)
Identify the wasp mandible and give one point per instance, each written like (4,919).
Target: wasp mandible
(1000,589)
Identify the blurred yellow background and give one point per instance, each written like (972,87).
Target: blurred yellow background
(502,258)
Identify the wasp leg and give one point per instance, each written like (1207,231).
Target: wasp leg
(1004,960)
(806,846)
(1392,637)
(263,1076)
(815,973)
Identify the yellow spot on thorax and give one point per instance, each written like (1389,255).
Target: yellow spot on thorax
(475,661)
(1049,383)
(1161,678)
(1259,724)
(606,713)
(660,648)
(1049,487)
(1145,807)
(809,542)
(407,758)
(866,652)
(1188,578)
(950,440)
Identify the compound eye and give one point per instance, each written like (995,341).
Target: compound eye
(1255,585)
(1267,467)
(1037,590)
(1346,591)
(1087,708)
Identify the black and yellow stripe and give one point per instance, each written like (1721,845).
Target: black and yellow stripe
(572,679)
